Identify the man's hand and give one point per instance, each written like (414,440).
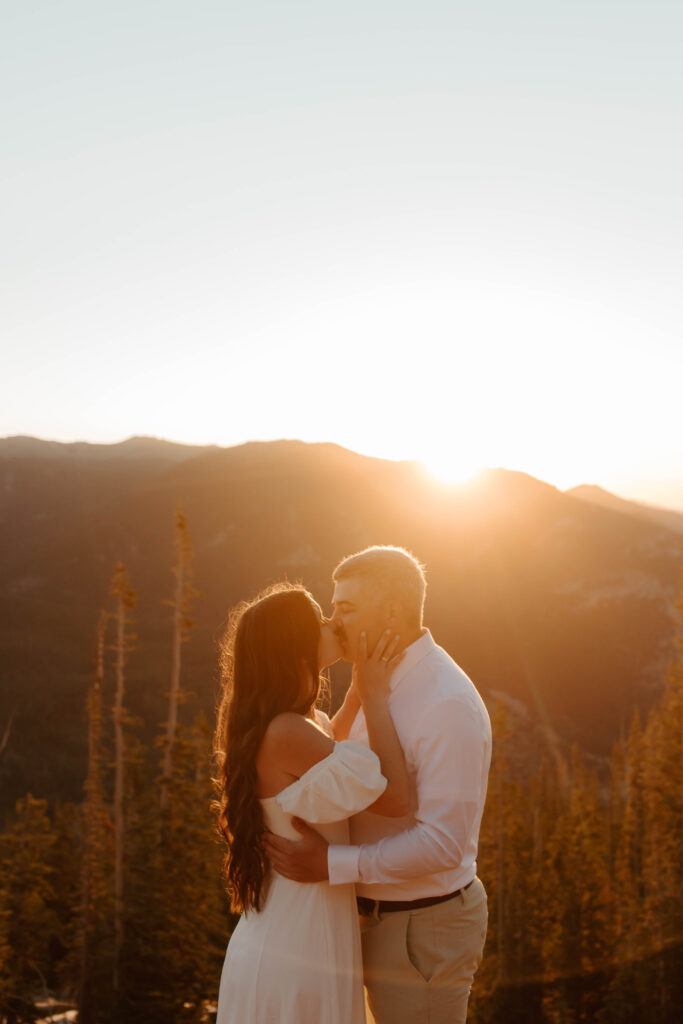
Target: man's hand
(305,861)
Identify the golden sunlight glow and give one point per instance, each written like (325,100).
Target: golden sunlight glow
(450,468)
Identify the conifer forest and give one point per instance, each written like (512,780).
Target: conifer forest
(113,909)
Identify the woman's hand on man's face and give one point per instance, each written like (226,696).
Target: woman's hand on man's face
(371,673)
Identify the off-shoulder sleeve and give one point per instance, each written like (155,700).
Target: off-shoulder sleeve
(324,722)
(345,782)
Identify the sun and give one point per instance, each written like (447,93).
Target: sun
(451,468)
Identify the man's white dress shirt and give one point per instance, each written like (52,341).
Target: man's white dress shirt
(445,733)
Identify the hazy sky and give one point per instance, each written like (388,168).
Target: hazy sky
(449,231)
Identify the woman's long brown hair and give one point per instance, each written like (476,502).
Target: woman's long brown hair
(267,646)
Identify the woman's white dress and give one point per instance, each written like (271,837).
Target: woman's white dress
(298,961)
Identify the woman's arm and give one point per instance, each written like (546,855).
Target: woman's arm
(372,683)
(343,720)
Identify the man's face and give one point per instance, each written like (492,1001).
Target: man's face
(357,609)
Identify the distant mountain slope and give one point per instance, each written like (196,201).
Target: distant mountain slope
(20,446)
(605,499)
(555,602)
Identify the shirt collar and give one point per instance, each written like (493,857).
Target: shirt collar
(413,654)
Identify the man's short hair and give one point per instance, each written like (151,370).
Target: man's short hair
(393,572)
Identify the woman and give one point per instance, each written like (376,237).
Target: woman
(294,957)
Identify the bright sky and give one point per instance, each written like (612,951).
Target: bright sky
(450,231)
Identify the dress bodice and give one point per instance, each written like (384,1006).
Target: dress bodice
(344,782)
(279,822)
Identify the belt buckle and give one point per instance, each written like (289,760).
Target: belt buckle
(368,907)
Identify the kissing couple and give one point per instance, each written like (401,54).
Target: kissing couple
(352,842)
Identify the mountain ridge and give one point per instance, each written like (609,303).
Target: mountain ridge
(136,446)
(142,445)
(597,495)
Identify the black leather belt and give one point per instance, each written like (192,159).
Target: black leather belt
(368,907)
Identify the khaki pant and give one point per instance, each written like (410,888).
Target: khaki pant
(418,965)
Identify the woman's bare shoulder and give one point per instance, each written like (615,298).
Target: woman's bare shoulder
(289,727)
(295,742)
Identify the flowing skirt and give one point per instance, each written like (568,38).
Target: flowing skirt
(298,961)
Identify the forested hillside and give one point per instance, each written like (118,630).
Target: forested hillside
(545,599)
(113,906)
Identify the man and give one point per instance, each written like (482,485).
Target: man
(423,910)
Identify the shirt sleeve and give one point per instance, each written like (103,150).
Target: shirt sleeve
(451,756)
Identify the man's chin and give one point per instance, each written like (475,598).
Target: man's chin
(345,653)
(349,656)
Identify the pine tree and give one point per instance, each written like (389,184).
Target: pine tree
(95,910)
(142,977)
(6,977)
(65,862)
(28,923)
(201,911)
(662,909)
(507,986)
(647,813)
(179,922)
(125,601)
(577,938)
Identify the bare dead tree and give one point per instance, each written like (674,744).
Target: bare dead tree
(92,825)
(6,734)
(182,624)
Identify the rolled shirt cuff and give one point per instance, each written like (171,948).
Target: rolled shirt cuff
(342,864)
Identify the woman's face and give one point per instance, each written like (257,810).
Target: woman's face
(329,647)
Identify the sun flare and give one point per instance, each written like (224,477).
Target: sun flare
(448,469)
